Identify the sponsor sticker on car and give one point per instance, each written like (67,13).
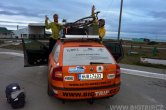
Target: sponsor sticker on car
(69,78)
(99,68)
(91,94)
(100,93)
(77,69)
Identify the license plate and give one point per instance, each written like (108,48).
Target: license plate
(93,76)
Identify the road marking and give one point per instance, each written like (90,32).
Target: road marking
(143,73)
(151,99)
(13,53)
(3,45)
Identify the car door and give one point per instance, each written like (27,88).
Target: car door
(115,48)
(35,53)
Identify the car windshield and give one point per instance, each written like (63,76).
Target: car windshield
(86,55)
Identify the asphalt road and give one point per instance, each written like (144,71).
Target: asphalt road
(135,90)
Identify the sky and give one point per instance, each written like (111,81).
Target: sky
(145,18)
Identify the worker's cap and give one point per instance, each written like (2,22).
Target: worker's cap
(55,15)
(101,22)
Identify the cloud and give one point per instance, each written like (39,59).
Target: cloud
(139,16)
(20,11)
(12,27)
(13,22)
(6,13)
(158,14)
(143,23)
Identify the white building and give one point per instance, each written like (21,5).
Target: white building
(34,30)
(20,33)
(5,33)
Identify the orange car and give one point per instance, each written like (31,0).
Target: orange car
(79,67)
(82,70)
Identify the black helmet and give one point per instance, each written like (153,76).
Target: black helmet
(101,22)
(15,95)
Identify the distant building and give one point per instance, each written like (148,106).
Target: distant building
(34,30)
(20,33)
(5,33)
(141,40)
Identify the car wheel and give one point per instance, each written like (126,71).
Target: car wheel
(49,91)
(63,101)
(8,100)
(14,106)
(91,101)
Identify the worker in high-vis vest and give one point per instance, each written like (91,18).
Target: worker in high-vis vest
(55,28)
(101,24)
(101,29)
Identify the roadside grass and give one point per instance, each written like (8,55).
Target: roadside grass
(14,47)
(1,42)
(134,59)
(150,65)
(159,44)
(32,45)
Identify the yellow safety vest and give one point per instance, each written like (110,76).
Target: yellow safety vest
(55,28)
(102,32)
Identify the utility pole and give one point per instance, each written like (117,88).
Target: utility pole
(17,27)
(120,19)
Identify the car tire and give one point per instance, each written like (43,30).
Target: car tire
(91,101)
(49,91)
(8,100)
(14,106)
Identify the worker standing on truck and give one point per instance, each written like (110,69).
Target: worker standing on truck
(101,23)
(55,28)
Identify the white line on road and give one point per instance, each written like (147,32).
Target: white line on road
(143,73)
(13,53)
(123,70)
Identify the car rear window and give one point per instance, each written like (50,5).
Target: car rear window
(85,55)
